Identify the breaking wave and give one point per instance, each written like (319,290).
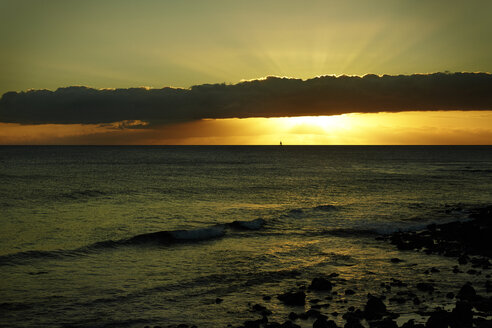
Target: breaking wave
(159,238)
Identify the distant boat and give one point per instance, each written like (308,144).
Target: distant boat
(280,143)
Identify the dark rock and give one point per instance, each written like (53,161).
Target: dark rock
(322,323)
(273,325)
(462,315)
(312,313)
(267,298)
(434,270)
(349,292)
(252,323)
(386,323)
(289,324)
(374,308)
(353,324)
(321,284)
(351,308)
(463,259)
(438,319)
(483,323)
(397,283)
(425,287)
(399,300)
(293,298)
(259,308)
(483,304)
(262,310)
(488,286)
(467,292)
(450,295)
(303,316)
(411,324)
(293,316)
(218,300)
(396,260)
(473,271)
(182,325)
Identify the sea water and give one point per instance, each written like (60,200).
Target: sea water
(136,236)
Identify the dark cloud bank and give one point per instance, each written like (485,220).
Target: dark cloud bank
(272,97)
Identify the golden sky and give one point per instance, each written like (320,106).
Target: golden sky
(163,43)
(404,128)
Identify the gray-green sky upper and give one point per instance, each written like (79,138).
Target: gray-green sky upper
(120,43)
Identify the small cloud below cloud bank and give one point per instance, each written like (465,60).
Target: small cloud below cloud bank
(141,108)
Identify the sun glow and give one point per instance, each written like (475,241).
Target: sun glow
(405,128)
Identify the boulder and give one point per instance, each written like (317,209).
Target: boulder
(374,308)
(293,298)
(467,292)
(321,284)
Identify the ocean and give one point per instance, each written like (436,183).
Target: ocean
(157,236)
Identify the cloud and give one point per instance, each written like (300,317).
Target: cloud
(270,97)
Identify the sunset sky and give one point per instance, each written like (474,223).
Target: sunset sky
(119,44)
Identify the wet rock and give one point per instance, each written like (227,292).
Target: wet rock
(438,319)
(321,284)
(434,270)
(399,300)
(397,283)
(411,324)
(396,260)
(312,313)
(293,298)
(473,272)
(467,292)
(462,315)
(267,298)
(463,259)
(273,325)
(374,308)
(293,316)
(261,309)
(303,316)
(386,323)
(289,324)
(322,323)
(480,262)
(218,300)
(425,287)
(483,304)
(450,295)
(253,323)
(349,292)
(353,324)
(483,323)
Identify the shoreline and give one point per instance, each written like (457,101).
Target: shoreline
(459,308)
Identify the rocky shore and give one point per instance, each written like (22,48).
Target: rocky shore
(470,242)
